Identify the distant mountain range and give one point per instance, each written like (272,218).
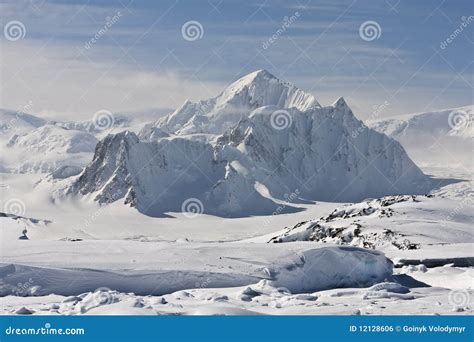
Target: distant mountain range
(434,138)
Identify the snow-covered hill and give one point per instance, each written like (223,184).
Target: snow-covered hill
(387,224)
(46,148)
(434,138)
(289,144)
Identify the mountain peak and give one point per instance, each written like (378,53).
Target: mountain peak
(258,76)
(340,103)
(261,88)
(257,89)
(262,73)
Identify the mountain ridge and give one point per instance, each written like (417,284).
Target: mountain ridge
(251,91)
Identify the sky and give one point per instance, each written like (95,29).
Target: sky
(68,59)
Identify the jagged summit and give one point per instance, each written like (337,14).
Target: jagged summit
(261,75)
(340,103)
(264,89)
(215,115)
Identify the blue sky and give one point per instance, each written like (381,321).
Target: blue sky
(142,60)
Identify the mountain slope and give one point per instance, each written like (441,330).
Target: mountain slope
(158,177)
(317,156)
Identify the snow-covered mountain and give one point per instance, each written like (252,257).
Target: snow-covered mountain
(434,138)
(456,122)
(281,141)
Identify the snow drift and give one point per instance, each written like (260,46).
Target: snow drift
(161,268)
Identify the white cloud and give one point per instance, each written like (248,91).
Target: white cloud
(61,82)
(48,69)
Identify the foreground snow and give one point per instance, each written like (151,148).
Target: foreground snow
(70,268)
(138,278)
(385,298)
(112,261)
